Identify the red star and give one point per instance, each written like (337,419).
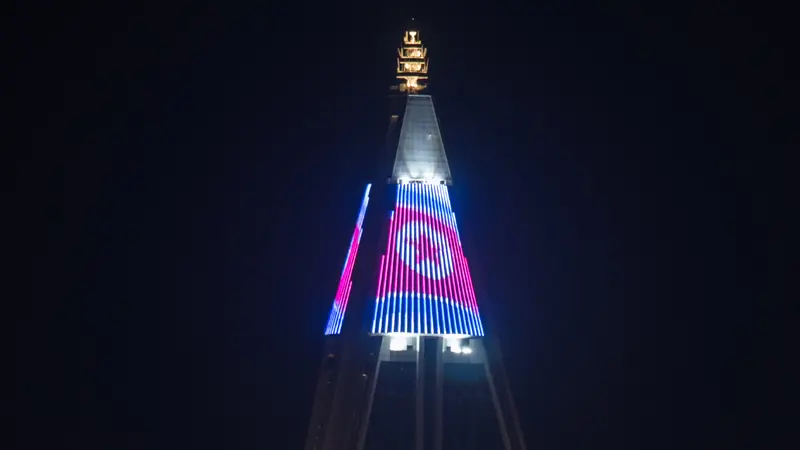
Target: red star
(424,249)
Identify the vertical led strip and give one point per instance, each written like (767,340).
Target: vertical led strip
(345,281)
(424,283)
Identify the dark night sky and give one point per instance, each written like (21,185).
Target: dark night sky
(190,176)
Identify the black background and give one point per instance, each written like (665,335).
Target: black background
(189,176)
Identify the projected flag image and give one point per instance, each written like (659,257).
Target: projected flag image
(345,281)
(424,284)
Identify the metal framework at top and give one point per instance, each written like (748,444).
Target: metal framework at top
(412,63)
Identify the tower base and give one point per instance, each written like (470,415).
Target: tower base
(434,393)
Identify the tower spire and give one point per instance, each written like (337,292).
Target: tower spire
(420,155)
(412,63)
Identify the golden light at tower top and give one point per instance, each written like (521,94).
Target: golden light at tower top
(412,65)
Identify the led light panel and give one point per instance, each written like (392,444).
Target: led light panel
(345,282)
(424,284)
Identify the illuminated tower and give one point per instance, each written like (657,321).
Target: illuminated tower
(407,365)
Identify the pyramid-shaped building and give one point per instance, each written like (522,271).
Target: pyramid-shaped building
(407,365)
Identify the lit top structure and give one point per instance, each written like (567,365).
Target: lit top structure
(412,67)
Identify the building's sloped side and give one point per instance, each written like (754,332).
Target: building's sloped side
(424,282)
(469,419)
(342,295)
(392,422)
(420,151)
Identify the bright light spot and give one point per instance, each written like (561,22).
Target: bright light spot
(455,345)
(398,344)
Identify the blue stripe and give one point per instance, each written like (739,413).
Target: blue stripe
(428,324)
(426,196)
